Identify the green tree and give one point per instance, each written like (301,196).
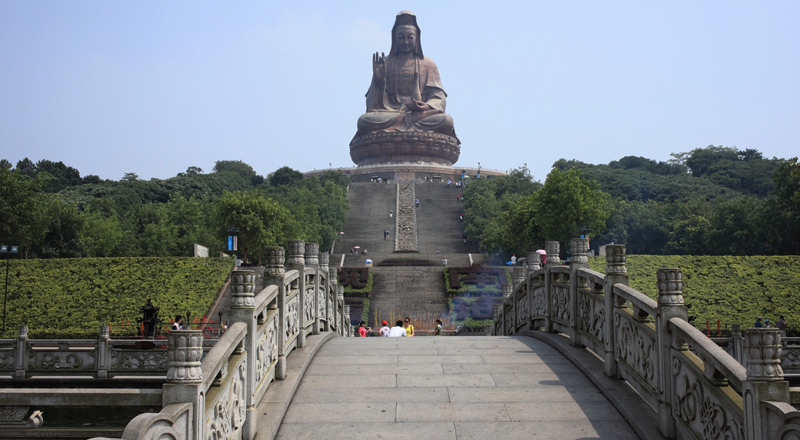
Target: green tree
(284,176)
(261,222)
(130,177)
(22,210)
(566,202)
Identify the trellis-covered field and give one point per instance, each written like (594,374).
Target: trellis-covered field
(729,288)
(72,298)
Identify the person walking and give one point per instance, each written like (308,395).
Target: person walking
(385,329)
(417,202)
(758,323)
(513,259)
(391,213)
(178,324)
(398,330)
(438,330)
(444,261)
(385,234)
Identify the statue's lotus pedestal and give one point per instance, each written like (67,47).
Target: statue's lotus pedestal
(404,147)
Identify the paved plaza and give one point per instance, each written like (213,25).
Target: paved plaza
(448,388)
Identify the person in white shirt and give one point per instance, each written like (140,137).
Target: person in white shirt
(397,330)
(385,329)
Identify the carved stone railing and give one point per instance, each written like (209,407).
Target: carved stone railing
(696,388)
(213,395)
(101,358)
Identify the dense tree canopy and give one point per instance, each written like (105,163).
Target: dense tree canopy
(50,211)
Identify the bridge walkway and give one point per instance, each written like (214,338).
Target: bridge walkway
(448,388)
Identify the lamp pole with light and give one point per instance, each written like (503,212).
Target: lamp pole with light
(479,170)
(8,250)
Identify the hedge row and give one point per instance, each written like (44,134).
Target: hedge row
(72,298)
(356,280)
(733,289)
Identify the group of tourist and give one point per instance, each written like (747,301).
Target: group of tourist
(780,324)
(401,328)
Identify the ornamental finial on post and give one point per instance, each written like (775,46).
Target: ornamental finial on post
(670,287)
(553,249)
(242,289)
(578,248)
(763,347)
(312,254)
(297,250)
(275,260)
(615,259)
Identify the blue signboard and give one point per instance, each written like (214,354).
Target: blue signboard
(230,242)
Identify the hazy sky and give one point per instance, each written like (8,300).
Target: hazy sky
(154,87)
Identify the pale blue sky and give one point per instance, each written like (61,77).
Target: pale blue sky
(155,87)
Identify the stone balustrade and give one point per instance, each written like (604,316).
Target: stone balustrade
(697,388)
(209,391)
(300,298)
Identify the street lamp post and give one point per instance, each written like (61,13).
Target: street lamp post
(8,250)
(479,170)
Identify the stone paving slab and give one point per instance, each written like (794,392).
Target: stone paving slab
(525,411)
(570,377)
(544,430)
(529,359)
(381,351)
(351,381)
(385,395)
(499,368)
(444,380)
(432,412)
(320,369)
(485,351)
(369,431)
(530,394)
(341,412)
(474,359)
(338,360)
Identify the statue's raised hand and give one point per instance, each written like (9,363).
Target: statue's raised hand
(379,66)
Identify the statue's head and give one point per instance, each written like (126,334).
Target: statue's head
(404,33)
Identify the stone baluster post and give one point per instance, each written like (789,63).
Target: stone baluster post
(185,375)
(507,292)
(553,249)
(242,309)
(312,260)
(22,348)
(578,248)
(517,277)
(616,273)
(670,305)
(102,352)
(330,315)
(296,261)
(737,343)
(534,264)
(347,320)
(764,382)
(498,318)
(274,274)
(534,261)
(340,306)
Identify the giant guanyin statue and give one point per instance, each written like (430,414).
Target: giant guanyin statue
(405,119)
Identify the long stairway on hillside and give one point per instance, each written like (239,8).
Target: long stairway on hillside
(409,290)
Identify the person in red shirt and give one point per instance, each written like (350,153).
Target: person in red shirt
(362,329)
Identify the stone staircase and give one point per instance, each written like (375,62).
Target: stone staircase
(410,290)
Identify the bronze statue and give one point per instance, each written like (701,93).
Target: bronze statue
(406,97)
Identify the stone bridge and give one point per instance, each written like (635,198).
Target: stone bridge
(559,366)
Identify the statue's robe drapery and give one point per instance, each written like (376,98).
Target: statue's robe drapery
(386,107)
